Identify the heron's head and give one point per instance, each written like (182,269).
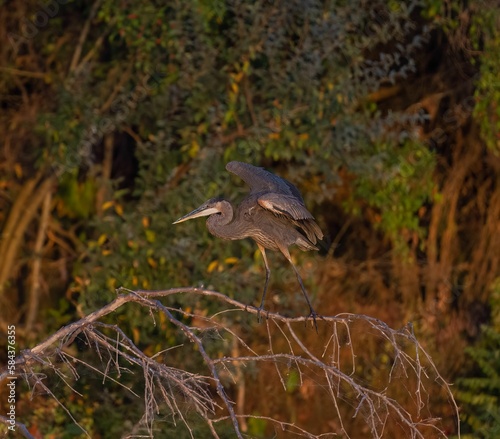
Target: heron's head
(214,205)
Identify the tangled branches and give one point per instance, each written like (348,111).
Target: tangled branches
(331,370)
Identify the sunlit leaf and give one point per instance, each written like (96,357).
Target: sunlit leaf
(106,205)
(212,266)
(150,235)
(136,335)
(18,170)
(102,239)
(119,209)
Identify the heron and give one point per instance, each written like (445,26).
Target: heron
(273,214)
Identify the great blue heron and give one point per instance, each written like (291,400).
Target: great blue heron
(273,215)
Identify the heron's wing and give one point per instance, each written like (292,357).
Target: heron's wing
(296,213)
(261,180)
(284,205)
(278,196)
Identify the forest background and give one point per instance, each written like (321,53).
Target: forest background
(118,117)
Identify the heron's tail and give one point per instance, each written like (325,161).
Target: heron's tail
(304,244)
(310,229)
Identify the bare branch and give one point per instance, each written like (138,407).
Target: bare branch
(167,387)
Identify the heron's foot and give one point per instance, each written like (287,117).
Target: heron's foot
(259,310)
(313,314)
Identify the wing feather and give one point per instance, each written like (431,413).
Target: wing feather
(261,180)
(280,197)
(284,205)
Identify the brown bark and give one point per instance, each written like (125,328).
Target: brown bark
(21,215)
(36,272)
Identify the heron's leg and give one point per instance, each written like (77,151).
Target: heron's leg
(268,275)
(313,313)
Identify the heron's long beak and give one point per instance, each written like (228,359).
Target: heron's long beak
(201,211)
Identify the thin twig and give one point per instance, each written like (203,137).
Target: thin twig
(83,36)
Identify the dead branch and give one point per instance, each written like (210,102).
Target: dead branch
(21,214)
(34,296)
(331,362)
(83,36)
(14,217)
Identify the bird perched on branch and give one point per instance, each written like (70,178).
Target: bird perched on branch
(273,215)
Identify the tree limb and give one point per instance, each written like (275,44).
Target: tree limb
(411,366)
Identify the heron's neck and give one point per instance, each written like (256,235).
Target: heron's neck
(222,224)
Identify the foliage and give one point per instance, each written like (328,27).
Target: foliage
(282,83)
(487,38)
(400,188)
(122,119)
(480,393)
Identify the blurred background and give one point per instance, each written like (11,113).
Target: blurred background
(118,117)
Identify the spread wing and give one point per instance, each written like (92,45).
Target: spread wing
(278,196)
(261,180)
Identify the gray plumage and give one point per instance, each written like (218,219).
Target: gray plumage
(273,215)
